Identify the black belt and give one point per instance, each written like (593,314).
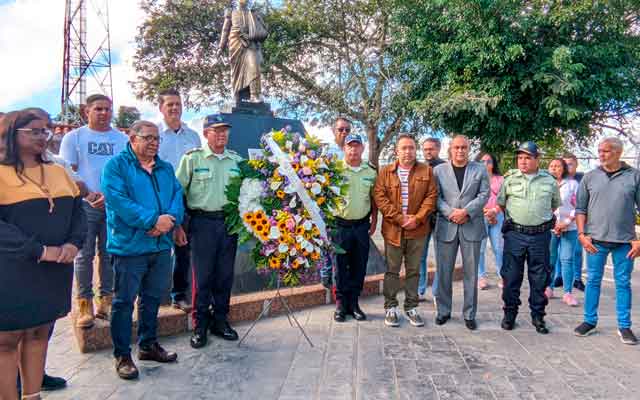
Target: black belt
(509,225)
(207,214)
(348,223)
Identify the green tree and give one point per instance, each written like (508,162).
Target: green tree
(506,71)
(323,58)
(126,117)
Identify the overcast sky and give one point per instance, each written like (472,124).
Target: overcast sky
(31,44)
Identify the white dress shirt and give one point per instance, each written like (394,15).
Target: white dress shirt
(175,144)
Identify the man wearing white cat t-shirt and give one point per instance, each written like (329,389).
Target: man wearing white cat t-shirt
(87,149)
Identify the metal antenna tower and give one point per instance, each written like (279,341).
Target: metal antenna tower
(85,61)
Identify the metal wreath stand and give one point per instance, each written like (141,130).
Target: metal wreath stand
(267,307)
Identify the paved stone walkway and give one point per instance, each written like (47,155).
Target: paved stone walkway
(369,361)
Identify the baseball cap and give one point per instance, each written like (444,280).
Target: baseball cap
(529,148)
(215,120)
(353,137)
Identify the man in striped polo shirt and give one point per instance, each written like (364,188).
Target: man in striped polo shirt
(405,193)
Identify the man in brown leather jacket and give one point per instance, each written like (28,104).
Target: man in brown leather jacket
(406,194)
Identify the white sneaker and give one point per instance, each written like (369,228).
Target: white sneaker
(392,317)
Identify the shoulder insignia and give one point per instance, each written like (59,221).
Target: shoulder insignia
(511,172)
(194,150)
(373,167)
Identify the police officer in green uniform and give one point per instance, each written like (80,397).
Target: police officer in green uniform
(204,174)
(356,221)
(528,197)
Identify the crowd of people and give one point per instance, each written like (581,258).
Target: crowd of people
(150,204)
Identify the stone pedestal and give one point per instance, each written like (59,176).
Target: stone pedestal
(250,121)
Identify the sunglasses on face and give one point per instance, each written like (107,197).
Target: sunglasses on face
(345,130)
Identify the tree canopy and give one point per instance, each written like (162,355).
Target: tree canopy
(507,71)
(323,58)
(126,117)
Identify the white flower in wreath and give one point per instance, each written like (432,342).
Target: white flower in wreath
(283,248)
(335,190)
(320,178)
(307,225)
(274,233)
(316,189)
(250,194)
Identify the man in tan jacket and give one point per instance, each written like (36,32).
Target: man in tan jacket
(406,194)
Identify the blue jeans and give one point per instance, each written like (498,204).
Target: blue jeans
(622,269)
(497,245)
(422,282)
(149,277)
(562,252)
(83,268)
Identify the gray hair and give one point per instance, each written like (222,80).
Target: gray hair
(614,142)
(137,126)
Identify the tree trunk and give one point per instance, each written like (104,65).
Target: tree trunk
(372,136)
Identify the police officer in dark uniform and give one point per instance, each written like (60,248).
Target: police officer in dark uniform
(204,174)
(528,197)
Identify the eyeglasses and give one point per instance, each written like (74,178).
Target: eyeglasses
(346,130)
(150,138)
(35,132)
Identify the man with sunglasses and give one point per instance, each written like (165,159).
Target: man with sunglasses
(144,204)
(88,149)
(341,128)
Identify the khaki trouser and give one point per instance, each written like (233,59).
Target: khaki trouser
(410,251)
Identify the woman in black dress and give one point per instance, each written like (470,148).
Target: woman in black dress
(42,226)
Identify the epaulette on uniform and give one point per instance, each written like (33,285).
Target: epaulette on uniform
(370,164)
(234,155)
(194,150)
(510,172)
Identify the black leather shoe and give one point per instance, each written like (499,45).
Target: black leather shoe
(125,368)
(156,353)
(508,323)
(51,383)
(198,339)
(471,324)
(442,319)
(357,313)
(558,282)
(541,326)
(339,316)
(578,284)
(221,328)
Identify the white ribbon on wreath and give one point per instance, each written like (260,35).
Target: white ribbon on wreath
(284,160)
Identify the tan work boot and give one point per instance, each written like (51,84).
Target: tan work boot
(103,311)
(85,317)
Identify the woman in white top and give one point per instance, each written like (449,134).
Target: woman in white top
(564,234)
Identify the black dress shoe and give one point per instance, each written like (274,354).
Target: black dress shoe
(357,313)
(125,368)
(51,383)
(471,324)
(198,339)
(182,305)
(508,323)
(339,316)
(541,326)
(578,284)
(156,353)
(442,319)
(221,328)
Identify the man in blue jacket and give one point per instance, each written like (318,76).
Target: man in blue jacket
(144,204)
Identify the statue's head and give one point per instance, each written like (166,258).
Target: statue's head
(243,3)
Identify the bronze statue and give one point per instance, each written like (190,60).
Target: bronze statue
(243,32)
